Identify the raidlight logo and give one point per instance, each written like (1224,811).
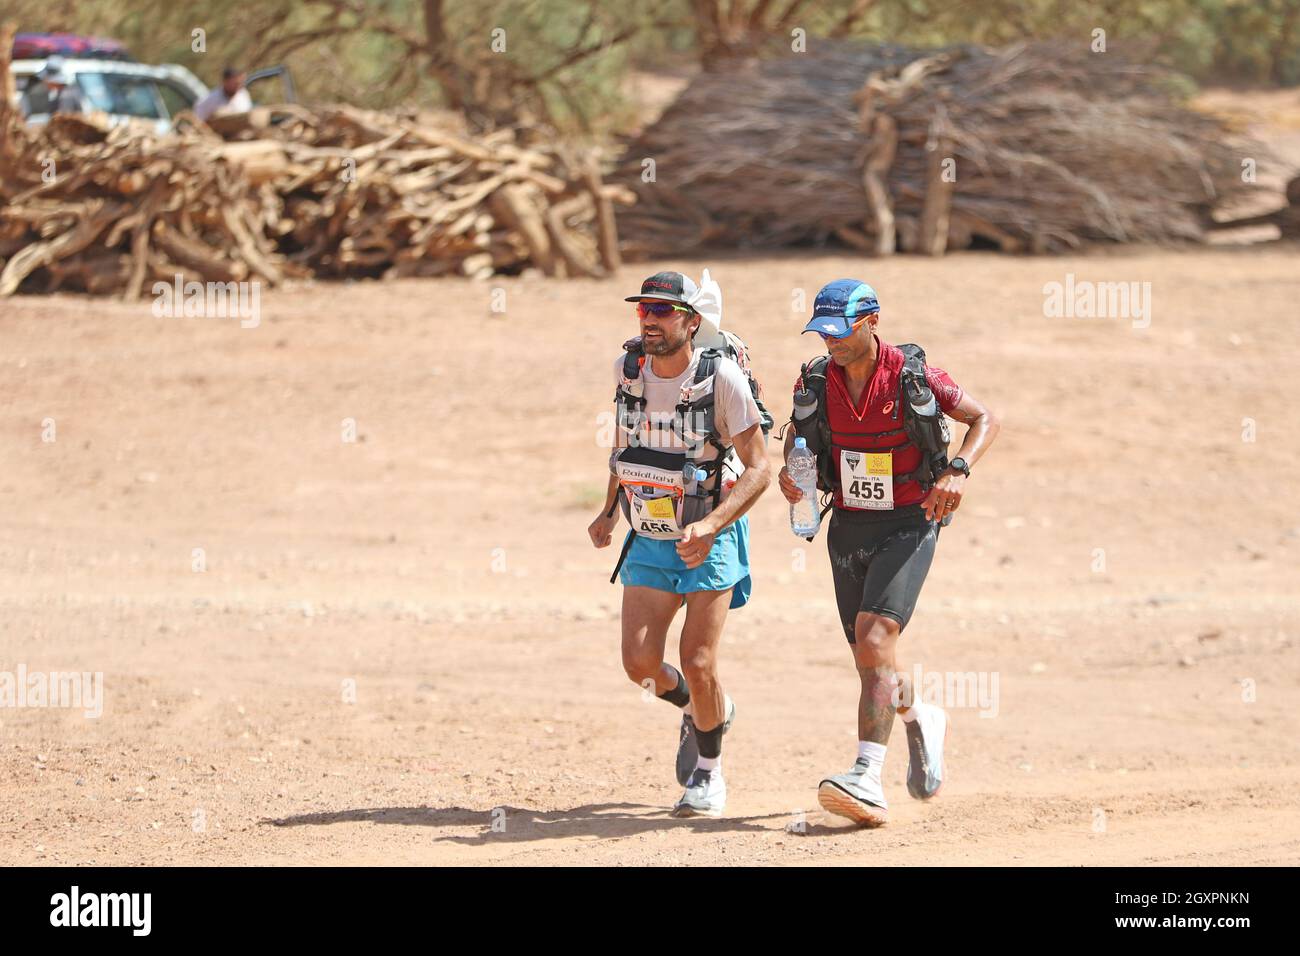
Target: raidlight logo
(103,909)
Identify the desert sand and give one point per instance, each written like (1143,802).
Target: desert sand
(403,649)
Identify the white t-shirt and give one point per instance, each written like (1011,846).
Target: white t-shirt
(734,407)
(217,102)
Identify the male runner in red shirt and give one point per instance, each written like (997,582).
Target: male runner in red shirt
(882,533)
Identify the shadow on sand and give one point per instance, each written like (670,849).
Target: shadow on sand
(520,824)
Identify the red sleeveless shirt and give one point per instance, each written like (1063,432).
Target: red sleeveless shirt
(876,423)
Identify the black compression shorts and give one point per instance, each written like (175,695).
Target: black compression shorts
(879,560)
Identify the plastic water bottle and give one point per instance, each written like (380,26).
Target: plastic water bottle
(805,517)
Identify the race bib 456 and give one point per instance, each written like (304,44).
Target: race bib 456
(655,517)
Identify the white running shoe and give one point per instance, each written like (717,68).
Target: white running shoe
(925,739)
(705,795)
(856,794)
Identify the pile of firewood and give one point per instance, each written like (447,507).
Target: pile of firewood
(1034,148)
(363,192)
(108,211)
(287,192)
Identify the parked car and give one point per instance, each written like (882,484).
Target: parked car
(106,80)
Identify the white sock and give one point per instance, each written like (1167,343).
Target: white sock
(875,753)
(709,763)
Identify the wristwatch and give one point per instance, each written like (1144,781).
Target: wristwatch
(959,464)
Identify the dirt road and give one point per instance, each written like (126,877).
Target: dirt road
(403,649)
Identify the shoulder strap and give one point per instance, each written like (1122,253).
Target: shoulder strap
(913,355)
(633,357)
(707,365)
(814,375)
(928,433)
(913,372)
(913,365)
(629,394)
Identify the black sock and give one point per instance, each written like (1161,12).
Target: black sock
(679,695)
(710,742)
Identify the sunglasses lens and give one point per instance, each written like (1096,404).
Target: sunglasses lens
(853,327)
(657,309)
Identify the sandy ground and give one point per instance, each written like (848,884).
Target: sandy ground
(1125,565)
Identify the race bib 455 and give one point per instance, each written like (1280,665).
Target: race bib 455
(867,480)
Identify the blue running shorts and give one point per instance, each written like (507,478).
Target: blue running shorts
(656,564)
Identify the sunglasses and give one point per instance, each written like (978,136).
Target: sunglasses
(660,310)
(853,328)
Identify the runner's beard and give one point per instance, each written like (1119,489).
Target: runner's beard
(665,344)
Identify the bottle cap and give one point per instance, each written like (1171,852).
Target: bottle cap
(801,443)
(700,474)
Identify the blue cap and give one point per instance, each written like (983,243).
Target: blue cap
(839,304)
(801,443)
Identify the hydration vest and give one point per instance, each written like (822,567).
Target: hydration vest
(649,476)
(922,421)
